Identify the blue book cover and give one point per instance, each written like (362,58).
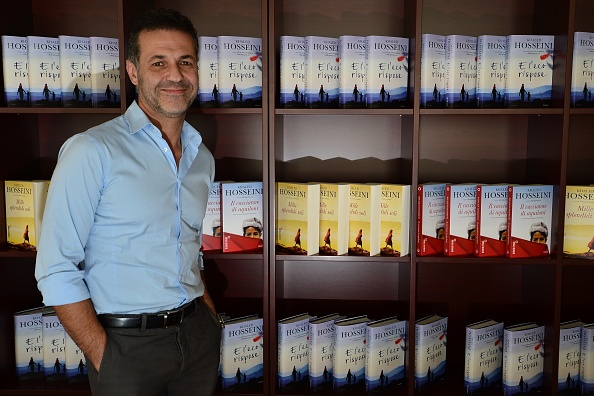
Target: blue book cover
(45,87)
(292,72)
(484,356)
(529,70)
(75,71)
(491,71)
(208,71)
(15,71)
(105,71)
(433,70)
(321,351)
(322,72)
(76,363)
(240,71)
(28,343)
(385,363)
(430,350)
(582,72)
(293,352)
(587,360)
(523,359)
(570,343)
(353,68)
(54,347)
(386,83)
(460,81)
(349,354)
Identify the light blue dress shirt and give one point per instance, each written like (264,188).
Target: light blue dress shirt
(122,223)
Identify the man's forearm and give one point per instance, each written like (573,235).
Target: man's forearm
(80,321)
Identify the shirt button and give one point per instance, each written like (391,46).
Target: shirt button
(165,149)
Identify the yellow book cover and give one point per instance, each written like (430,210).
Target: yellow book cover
(394,220)
(25,200)
(334,219)
(364,229)
(297,218)
(578,234)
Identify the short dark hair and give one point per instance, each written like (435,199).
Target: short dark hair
(159,19)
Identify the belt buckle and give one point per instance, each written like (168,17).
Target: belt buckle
(166,314)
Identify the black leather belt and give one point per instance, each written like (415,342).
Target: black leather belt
(149,321)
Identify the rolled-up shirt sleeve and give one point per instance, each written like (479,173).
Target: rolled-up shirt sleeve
(74,193)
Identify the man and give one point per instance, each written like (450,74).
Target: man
(119,257)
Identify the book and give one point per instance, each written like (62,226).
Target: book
(430,350)
(349,354)
(491,71)
(570,337)
(293,352)
(364,226)
(582,74)
(523,358)
(460,219)
(460,79)
(578,227)
(334,219)
(484,356)
(433,70)
(241,216)
(54,347)
(292,72)
(240,71)
(28,343)
(15,71)
(353,68)
(76,362)
(587,359)
(322,72)
(491,220)
(385,360)
(75,71)
(25,202)
(321,351)
(529,216)
(242,359)
(297,218)
(529,61)
(394,220)
(43,55)
(208,71)
(211,225)
(430,218)
(386,80)
(105,71)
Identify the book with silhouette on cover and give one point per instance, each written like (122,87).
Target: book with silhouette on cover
(25,202)
(491,71)
(430,219)
(15,71)
(578,227)
(208,71)
(587,359)
(322,72)
(334,219)
(570,344)
(75,71)
(385,362)
(484,354)
(582,78)
(433,70)
(321,351)
(460,80)
(364,219)
(523,358)
(241,216)
(430,350)
(45,86)
(76,363)
(54,347)
(105,71)
(240,71)
(349,354)
(28,343)
(394,220)
(353,68)
(293,352)
(292,72)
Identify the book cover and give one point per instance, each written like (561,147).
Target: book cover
(211,225)
(491,71)
(349,354)
(321,351)
(322,72)
(460,80)
(241,216)
(578,231)
(75,71)
(242,360)
(529,217)
(570,337)
(25,201)
(28,343)
(15,71)
(394,220)
(523,359)
(582,73)
(364,226)
(297,218)
(491,220)
(208,71)
(587,359)
(334,219)
(293,352)
(386,80)
(353,68)
(43,55)
(385,360)
(105,71)
(76,363)
(433,70)
(484,356)
(430,350)
(54,347)
(529,61)
(460,219)
(240,71)
(430,219)
(292,72)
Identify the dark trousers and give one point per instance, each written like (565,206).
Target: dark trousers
(173,361)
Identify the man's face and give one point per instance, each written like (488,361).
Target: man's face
(167,73)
